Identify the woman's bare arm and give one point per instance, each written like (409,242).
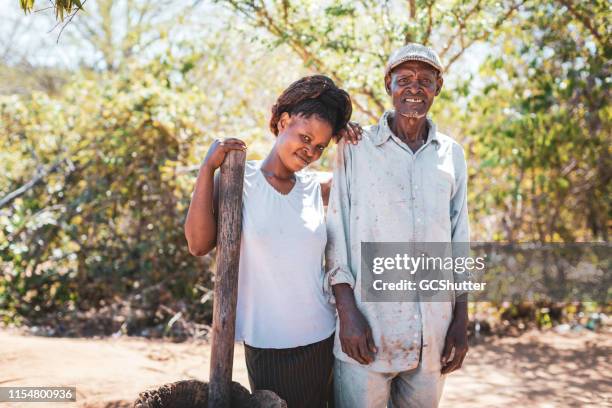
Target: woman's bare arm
(201,221)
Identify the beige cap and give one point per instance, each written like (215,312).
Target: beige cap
(413,52)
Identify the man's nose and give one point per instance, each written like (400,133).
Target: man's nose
(413,86)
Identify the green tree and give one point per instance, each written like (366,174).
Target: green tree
(104,218)
(534,119)
(542,135)
(351,41)
(98,168)
(99,175)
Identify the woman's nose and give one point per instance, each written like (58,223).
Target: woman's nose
(309,150)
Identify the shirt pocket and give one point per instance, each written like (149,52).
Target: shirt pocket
(443,197)
(437,200)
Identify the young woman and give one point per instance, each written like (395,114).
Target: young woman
(282,315)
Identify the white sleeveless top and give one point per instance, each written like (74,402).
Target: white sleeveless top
(281,303)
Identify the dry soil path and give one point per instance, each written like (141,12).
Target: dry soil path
(533,370)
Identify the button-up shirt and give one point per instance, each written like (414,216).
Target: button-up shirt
(384,192)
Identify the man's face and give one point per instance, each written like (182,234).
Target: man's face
(413,86)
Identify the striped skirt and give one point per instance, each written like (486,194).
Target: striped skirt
(302,376)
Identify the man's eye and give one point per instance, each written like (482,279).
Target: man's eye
(306,139)
(321,148)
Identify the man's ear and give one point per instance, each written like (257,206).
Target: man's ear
(388,84)
(283,122)
(439,83)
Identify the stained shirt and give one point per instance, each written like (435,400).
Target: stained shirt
(385,192)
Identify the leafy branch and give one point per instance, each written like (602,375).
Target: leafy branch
(64,9)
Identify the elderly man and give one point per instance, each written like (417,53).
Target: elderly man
(405,182)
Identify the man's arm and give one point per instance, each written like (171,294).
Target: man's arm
(355,333)
(337,251)
(456,336)
(460,225)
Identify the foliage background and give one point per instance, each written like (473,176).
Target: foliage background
(101,134)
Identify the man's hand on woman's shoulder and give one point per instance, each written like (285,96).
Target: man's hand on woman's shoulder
(352,133)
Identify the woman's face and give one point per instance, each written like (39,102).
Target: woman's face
(301,140)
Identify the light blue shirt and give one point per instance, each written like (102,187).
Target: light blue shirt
(384,192)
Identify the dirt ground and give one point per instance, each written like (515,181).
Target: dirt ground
(533,370)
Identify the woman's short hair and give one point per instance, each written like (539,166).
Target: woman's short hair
(314,95)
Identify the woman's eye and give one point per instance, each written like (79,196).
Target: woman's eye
(306,139)
(321,148)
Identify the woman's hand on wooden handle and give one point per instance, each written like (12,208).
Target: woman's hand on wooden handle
(218,150)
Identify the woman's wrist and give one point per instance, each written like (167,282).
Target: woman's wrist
(207,170)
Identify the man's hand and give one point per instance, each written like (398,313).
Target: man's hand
(456,345)
(356,336)
(351,133)
(355,333)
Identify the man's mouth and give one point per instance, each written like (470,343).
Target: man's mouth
(413,100)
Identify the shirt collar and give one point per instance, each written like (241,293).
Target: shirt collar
(384,131)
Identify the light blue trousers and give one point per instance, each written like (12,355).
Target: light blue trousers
(357,387)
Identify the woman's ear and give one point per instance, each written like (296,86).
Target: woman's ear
(283,122)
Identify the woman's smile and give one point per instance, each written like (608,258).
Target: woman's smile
(303,160)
